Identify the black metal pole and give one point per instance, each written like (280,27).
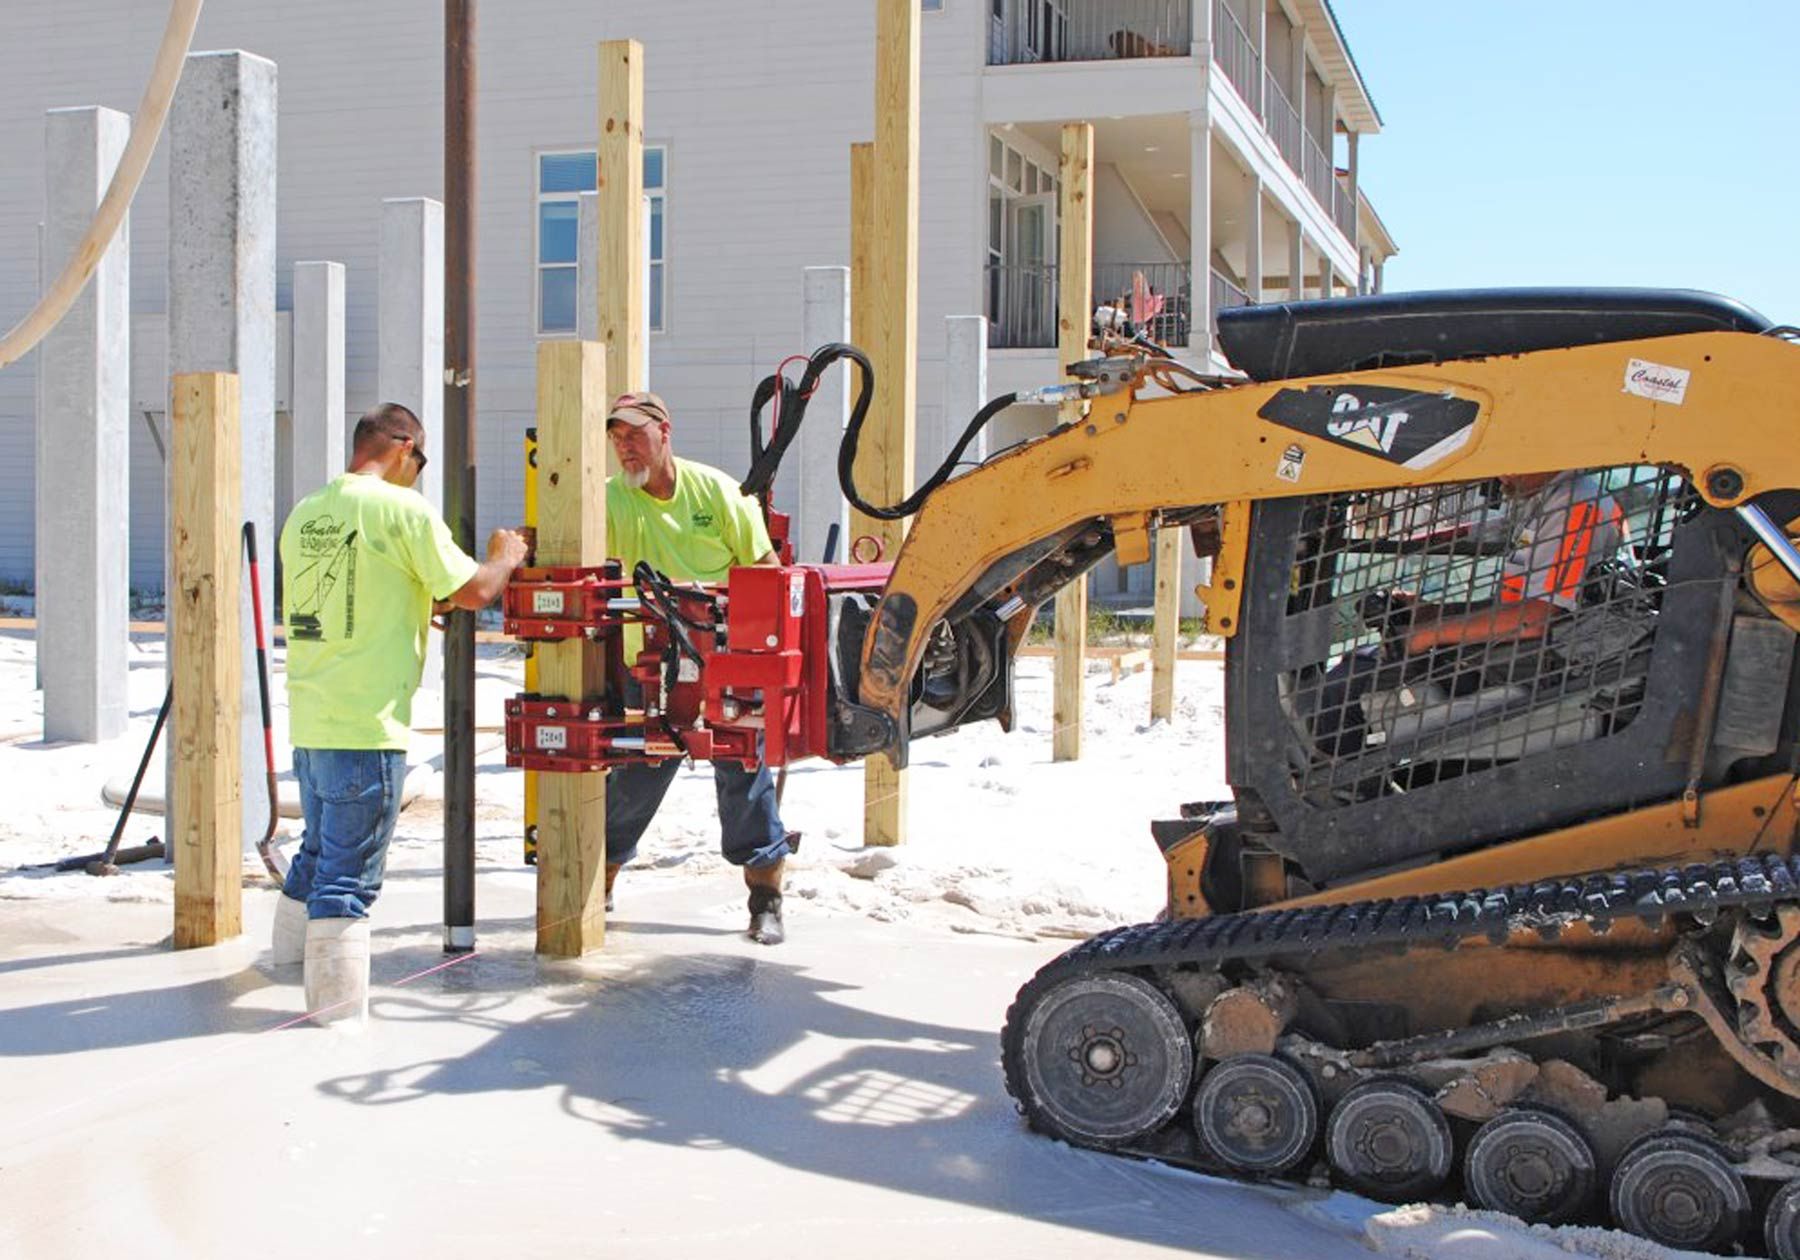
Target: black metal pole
(459,471)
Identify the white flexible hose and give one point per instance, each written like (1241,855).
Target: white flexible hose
(146,129)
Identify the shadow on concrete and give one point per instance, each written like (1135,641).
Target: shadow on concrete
(717,1050)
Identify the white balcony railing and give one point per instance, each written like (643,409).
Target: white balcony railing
(1164,291)
(1022,301)
(1225,295)
(1021,305)
(1237,56)
(1282,120)
(1027,31)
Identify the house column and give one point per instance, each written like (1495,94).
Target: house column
(1259,40)
(1253,238)
(1200,312)
(1200,24)
(1297,90)
(1296,261)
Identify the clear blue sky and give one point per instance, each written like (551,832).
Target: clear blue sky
(1633,142)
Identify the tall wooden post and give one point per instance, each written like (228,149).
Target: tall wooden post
(571,497)
(1075,306)
(884,786)
(205,668)
(1166,628)
(890,301)
(620,249)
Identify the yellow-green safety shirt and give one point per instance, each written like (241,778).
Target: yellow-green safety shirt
(362,560)
(699,534)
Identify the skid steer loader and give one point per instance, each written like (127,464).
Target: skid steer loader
(1505,905)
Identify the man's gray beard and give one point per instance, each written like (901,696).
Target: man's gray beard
(636,480)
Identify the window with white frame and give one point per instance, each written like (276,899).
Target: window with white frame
(1021,246)
(561,178)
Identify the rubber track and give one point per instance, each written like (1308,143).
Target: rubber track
(1756,883)
(1547,907)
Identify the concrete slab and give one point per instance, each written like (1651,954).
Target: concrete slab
(683,1093)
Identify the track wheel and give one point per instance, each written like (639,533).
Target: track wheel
(1104,1059)
(1257,1113)
(1680,1191)
(1531,1164)
(1388,1140)
(1781,1226)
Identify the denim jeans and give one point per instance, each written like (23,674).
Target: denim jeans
(750,828)
(350,799)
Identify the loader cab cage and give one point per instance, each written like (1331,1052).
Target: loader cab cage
(1357,752)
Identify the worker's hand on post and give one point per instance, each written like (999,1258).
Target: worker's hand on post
(507,547)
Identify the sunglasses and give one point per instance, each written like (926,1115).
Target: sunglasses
(419,455)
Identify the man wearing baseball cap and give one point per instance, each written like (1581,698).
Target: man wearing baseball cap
(691,524)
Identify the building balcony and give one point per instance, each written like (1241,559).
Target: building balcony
(1235,54)
(1022,304)
(1028,32)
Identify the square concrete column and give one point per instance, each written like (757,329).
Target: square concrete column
(1200,312)
(1296,261)
(409,334)
(221,146)
(83,444)
(824,318)
(965,380)
(1253,237)
(318,416)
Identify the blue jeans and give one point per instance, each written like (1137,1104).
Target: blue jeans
(350,799)
(750,829)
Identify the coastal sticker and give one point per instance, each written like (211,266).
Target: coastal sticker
(1292,462)
(1656,381)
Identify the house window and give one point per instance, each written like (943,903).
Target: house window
(1021,247)
(561,178)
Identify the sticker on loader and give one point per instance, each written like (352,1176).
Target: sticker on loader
(1404,426)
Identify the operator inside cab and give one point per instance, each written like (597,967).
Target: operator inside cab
(1559,528)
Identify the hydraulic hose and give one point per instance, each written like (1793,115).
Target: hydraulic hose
(794,398)
(912,502)
(146,129)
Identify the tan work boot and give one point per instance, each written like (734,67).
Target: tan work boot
(612,873)
(764,883)
(337,971)
(287,940)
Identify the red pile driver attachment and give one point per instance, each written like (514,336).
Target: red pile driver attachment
(740,671)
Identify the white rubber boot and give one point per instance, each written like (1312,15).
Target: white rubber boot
(337,971)
(287,943)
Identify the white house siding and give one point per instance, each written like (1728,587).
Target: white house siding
(757,106)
